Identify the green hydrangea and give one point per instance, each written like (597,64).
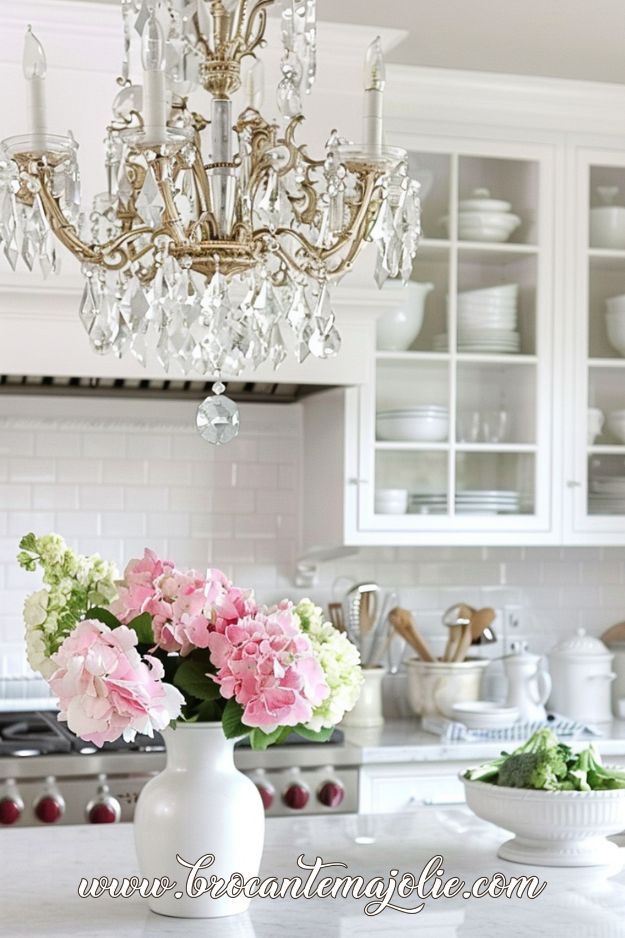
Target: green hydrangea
(73,584)
(340,662)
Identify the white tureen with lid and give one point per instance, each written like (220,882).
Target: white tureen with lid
(581,674)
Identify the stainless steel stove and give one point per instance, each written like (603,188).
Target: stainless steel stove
(49,776)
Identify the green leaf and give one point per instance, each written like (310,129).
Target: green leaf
(260,740)
(103,615)
(190,677)
(142,624)
(209,711)
(232,722)
(28,542)
(321,737)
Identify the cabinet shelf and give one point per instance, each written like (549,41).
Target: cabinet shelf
(495,247)
(390,446)
(607,449)
(496,448)
(486,357)
(606,259)
(606,362)
(411,356)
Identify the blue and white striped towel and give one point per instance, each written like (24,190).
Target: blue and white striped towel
(450,731)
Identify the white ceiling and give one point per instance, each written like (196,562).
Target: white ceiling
(582,39)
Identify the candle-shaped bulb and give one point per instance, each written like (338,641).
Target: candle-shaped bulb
(255,85)
(34,58)
(375,76)
(152,45)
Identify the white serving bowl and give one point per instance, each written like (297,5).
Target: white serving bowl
(411,427)
(596,421)
(480,201)
(484,715)
(552,828)
(607,227)
(616,304)
(398,328)
(435,687)
(391,501)
(615,327)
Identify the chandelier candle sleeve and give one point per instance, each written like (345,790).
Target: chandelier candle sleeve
(34,66)
(373,128)
(154,96)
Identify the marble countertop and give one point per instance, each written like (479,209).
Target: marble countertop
(405,741)
(40,871)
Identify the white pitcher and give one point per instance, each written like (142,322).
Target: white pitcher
(529,685)
(399,327)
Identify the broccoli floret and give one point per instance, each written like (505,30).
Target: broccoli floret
(589,773)
(544,769)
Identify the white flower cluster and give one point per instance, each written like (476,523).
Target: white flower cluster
(340,662)
(73,584)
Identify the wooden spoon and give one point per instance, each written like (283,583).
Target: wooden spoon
(337,616)
(455,618)
(403,623)
(616,633)
(480,619)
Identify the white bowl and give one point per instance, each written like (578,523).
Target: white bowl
(552,828)
(391,501)
(501,291)
(398,328)
(485,715)
(413,428)
(616,305)
(616,426)
(615,327)
(480,201)
(505,220)
(607,227)
(435,687)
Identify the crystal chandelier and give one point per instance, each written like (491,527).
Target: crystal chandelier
(216,237)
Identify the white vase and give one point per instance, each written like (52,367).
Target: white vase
(367,710)
(199,804)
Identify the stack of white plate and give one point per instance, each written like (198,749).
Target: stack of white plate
(487,320)
(487,502)
(427,423)
(427,503)
(607,495)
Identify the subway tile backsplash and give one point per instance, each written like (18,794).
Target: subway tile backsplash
(115,476)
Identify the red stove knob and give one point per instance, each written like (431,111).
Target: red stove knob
(104,812)
(267,794)
(331,794)
(296,796)
(49,809)
(10,811)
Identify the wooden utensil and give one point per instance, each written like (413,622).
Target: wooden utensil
(455,618)
(616,633)
(481,620)
(337,616)
(403,623)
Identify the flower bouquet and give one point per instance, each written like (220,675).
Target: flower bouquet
(165,645)
(167,649)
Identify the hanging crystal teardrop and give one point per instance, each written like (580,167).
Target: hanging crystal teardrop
(217,418)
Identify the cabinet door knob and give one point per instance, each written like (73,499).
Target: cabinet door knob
(572,484)
(355,481)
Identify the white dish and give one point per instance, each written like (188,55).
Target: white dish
(398,328)
(391,501)
(607,227)
(480,201)
(616,426)
(615,326)
(501,290)
(485,715)
(552,828)
(616,304)
(413,428)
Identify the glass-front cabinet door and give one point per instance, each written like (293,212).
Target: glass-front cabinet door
(596,477)
(456,434)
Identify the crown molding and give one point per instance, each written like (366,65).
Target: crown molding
(463,97)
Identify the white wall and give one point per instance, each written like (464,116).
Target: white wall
(114,476)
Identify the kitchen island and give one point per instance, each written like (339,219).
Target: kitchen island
(40,870)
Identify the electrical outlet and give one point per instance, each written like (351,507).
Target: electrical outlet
(513,620)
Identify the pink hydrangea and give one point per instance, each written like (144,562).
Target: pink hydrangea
(106,689)
(267,664)
(184,606)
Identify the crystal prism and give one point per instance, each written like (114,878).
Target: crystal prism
(149,201)
(217,419)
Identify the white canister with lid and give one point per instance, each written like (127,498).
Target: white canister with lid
(582,675)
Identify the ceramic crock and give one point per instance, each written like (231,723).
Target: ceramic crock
(199,804)
(434,687)
(582,675)
(368,708)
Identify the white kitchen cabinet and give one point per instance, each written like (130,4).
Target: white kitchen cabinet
(595,483)
(441,476)
(395,789)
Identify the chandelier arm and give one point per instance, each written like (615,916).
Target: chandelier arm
(111,255)
(172,222)
(258,19)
